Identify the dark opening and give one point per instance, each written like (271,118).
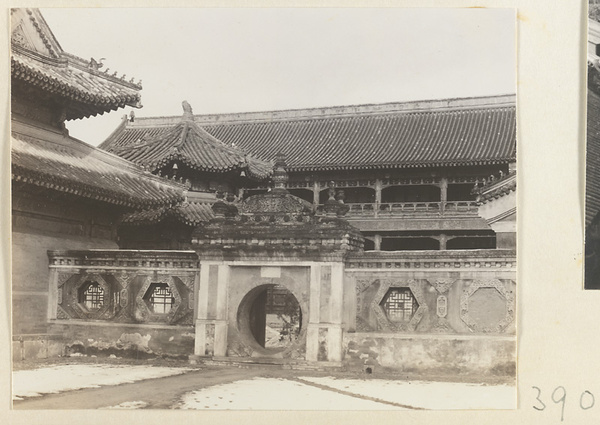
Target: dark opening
(275,317)
(252,192)
(305,194)
(369,245)
(460,192)
(487,242)
(416,193)
(409,244)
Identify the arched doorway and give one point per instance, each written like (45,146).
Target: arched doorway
(270,319)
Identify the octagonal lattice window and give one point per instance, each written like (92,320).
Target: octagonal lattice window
(399,305)
(91,295)
(159,298)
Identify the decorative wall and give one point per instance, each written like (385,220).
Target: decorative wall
(467,292)
(124,286)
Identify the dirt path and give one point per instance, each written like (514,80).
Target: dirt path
(159,393)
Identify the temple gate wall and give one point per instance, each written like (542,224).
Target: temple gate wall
(428,311)
(227,290)
(456,312)
(126,303)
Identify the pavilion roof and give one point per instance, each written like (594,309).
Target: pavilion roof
(38,60)
(451,132)
(190,213)
(186,142)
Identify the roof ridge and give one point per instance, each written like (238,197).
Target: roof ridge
(341,111)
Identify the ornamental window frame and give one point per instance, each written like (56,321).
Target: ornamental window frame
(156,295)
(399,304)
(96,298)
(383,322)
(144,312)
(76,301)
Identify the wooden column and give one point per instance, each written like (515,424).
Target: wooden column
(377,242)
(378,187)
(443,193)
(316,193)
(443,239)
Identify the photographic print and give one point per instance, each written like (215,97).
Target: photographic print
(264,209)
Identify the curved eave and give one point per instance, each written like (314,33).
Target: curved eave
(334,167)
(59,184)
(251,171)
(100,103)
(177,213)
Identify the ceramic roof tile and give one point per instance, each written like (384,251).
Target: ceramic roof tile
(74,167)
(190,144)
(372,136)
(191,213)
(77,83)
(99,93)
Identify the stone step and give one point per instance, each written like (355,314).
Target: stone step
(268,362)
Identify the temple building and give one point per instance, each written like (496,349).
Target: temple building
(357,237)
(407,170)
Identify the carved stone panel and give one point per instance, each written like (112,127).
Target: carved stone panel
(487,306)
(180,312)
(384,323)
(442,306)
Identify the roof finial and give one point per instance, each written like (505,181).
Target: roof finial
(280,176)
(188,115)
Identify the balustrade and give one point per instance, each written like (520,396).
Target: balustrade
(392,209)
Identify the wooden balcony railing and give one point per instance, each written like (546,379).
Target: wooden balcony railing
(396,209)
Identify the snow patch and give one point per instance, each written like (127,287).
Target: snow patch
(49,380)
(274,394)
(129,405)
(427,395)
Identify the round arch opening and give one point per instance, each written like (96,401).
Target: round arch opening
(270,319)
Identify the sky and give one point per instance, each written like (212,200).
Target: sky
(259,59)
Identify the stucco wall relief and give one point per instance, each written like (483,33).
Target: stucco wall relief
(487,306)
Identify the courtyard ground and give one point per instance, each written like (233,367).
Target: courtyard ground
(92,383)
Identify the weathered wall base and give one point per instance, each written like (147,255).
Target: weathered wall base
(123,340)
(483,356)
(41,346)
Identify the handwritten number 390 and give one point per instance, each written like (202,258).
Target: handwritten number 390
(559,395)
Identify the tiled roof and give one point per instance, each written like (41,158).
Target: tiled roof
(495,188)
(190,213)
(190,144)
(74,167)
(89,90)
(452,132)
(592,175)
